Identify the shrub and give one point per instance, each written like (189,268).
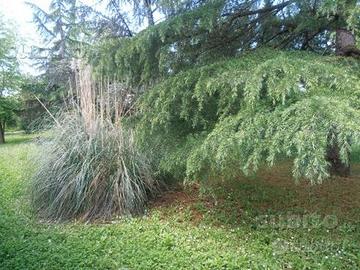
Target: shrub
(91,168)
(92,175)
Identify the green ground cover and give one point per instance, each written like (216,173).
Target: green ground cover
(260,222)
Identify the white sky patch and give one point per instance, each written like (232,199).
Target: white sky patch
(18,12)
(21,14)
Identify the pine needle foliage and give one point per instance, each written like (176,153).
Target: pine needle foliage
(235,115)
(206,31)
(159,50)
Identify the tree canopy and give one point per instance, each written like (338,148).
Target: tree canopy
(210,30)
(60,28)
(238,114)
(231,85)
(9,75)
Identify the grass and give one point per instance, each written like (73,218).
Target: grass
(250,223)
(95,173)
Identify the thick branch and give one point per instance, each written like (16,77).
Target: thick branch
(242,13)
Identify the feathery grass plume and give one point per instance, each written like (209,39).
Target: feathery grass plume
(91,168)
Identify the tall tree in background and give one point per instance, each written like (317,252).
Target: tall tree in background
(59,28)
(33,115)
(141,9)
(9,76)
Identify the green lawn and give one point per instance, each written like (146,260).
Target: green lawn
(263,222)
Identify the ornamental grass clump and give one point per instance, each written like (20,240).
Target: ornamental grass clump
(91,167)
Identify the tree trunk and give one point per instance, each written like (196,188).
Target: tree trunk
(2,133)
(149,12)
(345,42)
(337,166)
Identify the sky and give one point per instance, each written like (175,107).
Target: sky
(20,13)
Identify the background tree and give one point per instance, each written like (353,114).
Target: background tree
(60,28)
(9,108)
(210,31)
(33,115)
(9,76)
(142,9)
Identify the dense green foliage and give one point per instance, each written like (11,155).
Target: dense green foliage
(9,107)
(237,114)
(9,73)
(206,31)
(33,114)
(9,76)
(229,236)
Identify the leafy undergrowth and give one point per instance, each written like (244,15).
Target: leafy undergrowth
(263,222)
